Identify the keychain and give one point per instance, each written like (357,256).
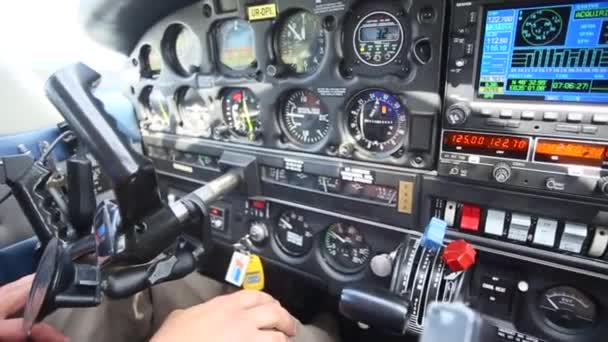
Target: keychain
(239,262)
(245,269)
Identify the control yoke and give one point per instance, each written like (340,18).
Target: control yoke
(130,233)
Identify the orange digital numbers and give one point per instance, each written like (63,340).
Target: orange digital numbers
(570,149)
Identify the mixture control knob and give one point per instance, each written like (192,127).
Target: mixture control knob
(459,255)
(602,185)
(258,232)
(458,114)
(501,172)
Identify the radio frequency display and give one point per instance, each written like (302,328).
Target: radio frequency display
(551,53)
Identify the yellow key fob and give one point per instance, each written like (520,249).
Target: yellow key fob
(254,276)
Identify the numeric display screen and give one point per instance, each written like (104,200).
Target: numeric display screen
(492,145)
(551,53)
(571,153)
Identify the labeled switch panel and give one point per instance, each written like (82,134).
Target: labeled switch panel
(548,233)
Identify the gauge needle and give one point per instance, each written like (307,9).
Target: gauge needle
(295,33)
(247,117)
(375,109)
(362,121)
(337,237)
(287,224)
(552,303)
(163,110)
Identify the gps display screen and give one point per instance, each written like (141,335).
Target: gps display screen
(549,53)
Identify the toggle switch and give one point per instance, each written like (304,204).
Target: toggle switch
(573,237)
(471,215)
(599,243)
(519,228)
(546,229)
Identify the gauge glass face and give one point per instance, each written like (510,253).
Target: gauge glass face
(302,42)
(377,121)
(236,44)
(196,116)
(157,110)
(187,51)
(346,248)
(378,38)
(294,235)
(241,110)
(305,118)
(568,308)
(150,62)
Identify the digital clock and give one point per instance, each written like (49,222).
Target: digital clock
(504,146)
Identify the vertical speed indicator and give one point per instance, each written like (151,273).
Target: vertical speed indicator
(377,121)
(304,118)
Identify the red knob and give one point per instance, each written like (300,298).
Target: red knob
(459,255)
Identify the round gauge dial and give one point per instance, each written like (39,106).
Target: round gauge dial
(378,38)
(150,62)
(157,110)
(196,116)
(377,121)
(236,44)
(304,117)
(301,42)
(294,235)
(568,308)
(188,52)
(345,247)
(241,109)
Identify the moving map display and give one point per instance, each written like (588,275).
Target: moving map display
(550,53)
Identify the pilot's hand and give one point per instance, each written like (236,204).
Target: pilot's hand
(246,315)
(12,299)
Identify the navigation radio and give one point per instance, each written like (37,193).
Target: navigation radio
(526,95)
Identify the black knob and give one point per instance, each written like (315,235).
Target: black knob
(602,185)
(501,172)
(458,114)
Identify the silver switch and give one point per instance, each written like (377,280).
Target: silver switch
(545,232)
(495,222)
(573,237)
(520,226)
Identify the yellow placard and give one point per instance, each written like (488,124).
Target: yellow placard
(406,197)
(262,12)
(254,275)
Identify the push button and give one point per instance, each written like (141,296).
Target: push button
(528,115)
(471,215)
(545,232)
(600,119)
(568,128)
(575,117)
(550,116)
(506,114)
(573,237)
(519,228)
(589,129)
(495,222)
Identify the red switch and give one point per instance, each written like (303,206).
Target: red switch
(459,255)
(470,217)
